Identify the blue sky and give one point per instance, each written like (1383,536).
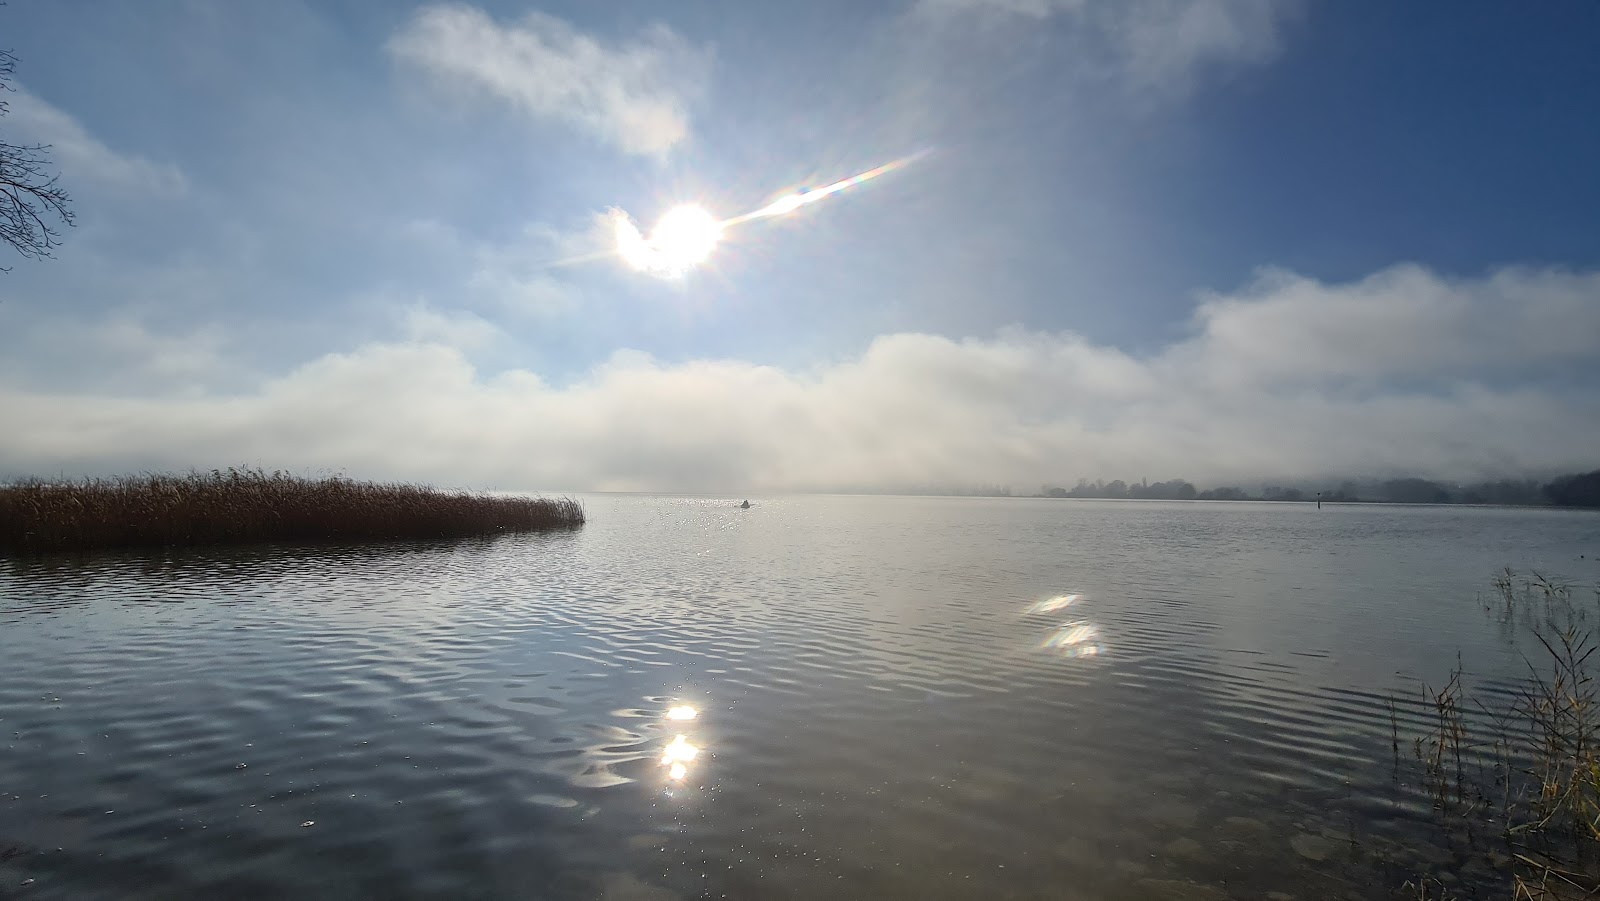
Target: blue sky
(1219,239)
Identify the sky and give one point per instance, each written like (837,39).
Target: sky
(1232,241)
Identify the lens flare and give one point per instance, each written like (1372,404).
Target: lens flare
(791,202)
(682,712)
(685,237)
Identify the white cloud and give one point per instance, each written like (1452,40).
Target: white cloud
(463,331)
(1402,372)
(635,94)
(80,155)
(1154,43)
(1403,322)
(1166,40)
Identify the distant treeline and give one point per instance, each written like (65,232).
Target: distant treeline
(1579,490)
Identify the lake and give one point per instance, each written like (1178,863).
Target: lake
(891,698)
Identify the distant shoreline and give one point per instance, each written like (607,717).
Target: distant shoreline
(243,506)
(1580,490)
(1309,501)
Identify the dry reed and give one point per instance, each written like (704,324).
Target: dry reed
(1538,770)
(250,505)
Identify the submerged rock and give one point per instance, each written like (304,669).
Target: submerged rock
(1312,846)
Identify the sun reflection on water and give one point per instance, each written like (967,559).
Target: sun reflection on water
(1050,605)
(1076,639)
(681,751)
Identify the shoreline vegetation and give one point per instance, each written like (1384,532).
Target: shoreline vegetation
(1513,771)
(241,506)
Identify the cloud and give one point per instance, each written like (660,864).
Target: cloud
(635,94)
(1403,322)
(79,154)
(464,331)
(1033,9)
(1158,44)
(1401,372)
(1165,41)
(519,276)
(119,348)
(524,275)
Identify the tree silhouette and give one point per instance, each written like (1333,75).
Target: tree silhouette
(31,203)
(1581,490)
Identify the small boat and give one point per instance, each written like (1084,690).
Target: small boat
(745,505)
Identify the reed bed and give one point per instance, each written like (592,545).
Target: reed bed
(237,506)
(1525,773)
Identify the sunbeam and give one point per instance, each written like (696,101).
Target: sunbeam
(685,237)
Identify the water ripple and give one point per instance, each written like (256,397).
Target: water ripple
(891,697)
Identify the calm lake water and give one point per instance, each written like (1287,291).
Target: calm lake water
(884,707)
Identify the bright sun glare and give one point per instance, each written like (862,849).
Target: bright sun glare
(682,240)
(687,234)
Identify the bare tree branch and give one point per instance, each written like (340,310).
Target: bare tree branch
(33,207)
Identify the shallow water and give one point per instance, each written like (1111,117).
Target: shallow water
(884,708)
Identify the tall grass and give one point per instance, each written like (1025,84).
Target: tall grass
(1527,772)
(251,505)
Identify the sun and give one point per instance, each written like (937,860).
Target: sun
(686,235)
(682,240)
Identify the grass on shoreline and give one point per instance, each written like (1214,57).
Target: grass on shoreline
(250,505)
(1526,773)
